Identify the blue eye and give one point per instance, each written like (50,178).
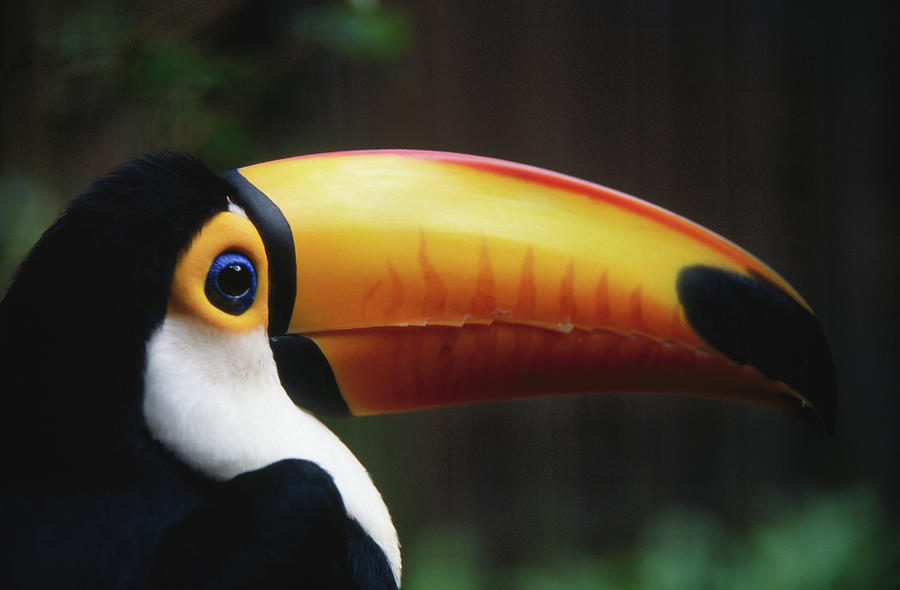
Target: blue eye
(231,283)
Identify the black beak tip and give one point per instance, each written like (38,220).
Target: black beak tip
(753,322)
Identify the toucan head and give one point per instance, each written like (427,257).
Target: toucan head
(380,281)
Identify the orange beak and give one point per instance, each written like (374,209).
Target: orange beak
(431,279)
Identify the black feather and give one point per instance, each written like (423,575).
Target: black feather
(238,538)
(87,494)
(75,321)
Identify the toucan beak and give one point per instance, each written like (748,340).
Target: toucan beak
(429,279)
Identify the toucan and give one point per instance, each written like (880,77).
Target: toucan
(165,346)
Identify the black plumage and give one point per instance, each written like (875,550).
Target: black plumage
(89,499)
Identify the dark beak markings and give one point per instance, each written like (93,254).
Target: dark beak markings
(753,322)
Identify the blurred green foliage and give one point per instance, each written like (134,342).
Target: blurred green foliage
(822,541)
(360,30)
(96,83)
(22,220)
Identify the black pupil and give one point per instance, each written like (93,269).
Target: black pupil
(234,280)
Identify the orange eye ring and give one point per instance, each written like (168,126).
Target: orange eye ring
(228,240)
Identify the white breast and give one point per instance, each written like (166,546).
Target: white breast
(215,400)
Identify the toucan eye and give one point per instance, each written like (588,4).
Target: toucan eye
(231,283)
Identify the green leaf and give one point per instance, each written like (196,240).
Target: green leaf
(359,31)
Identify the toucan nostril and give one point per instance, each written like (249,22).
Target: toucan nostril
(753,322)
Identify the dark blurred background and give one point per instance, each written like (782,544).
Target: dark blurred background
(768,122)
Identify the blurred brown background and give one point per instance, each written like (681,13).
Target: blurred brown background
(768,122)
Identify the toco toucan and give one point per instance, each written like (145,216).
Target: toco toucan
(165,344)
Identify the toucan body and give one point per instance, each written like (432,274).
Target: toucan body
(167,341)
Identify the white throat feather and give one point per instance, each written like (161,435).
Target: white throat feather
(214,399)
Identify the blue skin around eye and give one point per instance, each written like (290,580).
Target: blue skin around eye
(229,303)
